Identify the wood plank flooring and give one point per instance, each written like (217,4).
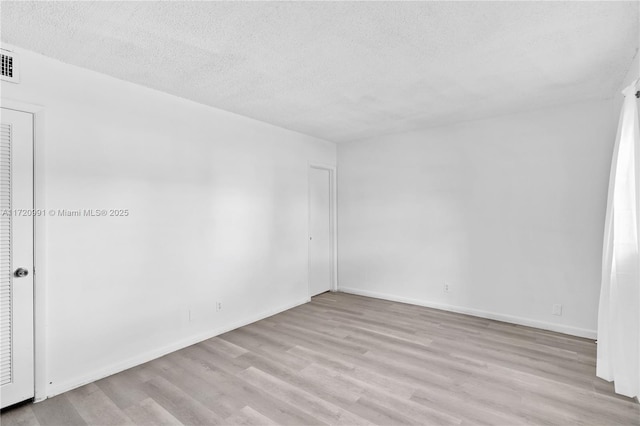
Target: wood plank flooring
(351,360)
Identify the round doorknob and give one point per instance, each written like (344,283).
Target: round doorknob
(21,272)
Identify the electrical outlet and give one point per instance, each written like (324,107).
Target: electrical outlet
(557,310)
(446,288)
(218,306)
(190,313)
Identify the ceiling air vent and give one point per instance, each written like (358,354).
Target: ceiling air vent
(9,66)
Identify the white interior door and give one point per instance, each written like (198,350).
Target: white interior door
(16,264)
(320,252)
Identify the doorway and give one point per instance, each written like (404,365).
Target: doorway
(17,257)
(321,230)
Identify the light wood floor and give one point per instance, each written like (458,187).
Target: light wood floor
(345,359)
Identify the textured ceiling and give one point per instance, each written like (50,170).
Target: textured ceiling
(344,70)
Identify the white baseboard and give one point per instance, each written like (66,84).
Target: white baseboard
(109,370)
(560,328)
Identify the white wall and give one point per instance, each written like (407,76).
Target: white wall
(508,211)
(218,212)
(632,75)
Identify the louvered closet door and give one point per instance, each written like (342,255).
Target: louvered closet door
(16,247)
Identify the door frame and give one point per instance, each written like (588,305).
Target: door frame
(39,245)
(333,223)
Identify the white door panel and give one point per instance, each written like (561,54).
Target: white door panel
(16,249)
(320,251)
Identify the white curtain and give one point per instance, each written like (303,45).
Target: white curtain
(619,312)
